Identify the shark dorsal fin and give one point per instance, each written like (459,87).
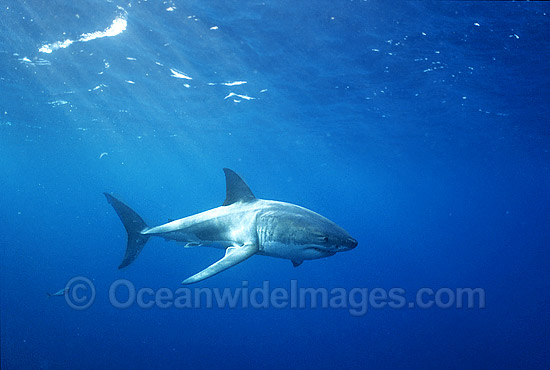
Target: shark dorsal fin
(235,189)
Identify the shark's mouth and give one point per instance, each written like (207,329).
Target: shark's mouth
(323,250)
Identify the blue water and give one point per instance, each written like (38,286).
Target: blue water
(420,127)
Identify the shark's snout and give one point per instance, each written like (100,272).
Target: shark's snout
(349,244)
(346,244)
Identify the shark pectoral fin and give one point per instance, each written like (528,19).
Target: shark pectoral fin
(233,256)
(296,263)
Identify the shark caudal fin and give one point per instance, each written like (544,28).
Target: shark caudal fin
(134,225)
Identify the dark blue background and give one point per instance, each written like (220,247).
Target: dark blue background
(423,134)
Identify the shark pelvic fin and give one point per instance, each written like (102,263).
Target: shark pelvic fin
(236,189)
(233,256)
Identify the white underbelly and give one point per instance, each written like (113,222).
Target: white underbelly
(289,251)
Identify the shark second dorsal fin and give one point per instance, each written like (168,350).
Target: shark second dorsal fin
(235,189)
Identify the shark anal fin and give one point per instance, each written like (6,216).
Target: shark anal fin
(192,244)
(233,256)
(296,263)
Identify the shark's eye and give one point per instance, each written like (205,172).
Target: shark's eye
(325,238)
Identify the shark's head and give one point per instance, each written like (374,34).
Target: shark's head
(310,234)
(322,236)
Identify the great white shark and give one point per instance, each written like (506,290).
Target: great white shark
(243,226)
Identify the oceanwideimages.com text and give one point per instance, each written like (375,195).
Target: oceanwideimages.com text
(123,294)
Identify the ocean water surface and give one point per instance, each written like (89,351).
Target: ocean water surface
(422,128)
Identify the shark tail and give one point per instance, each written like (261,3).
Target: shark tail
(135,226)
